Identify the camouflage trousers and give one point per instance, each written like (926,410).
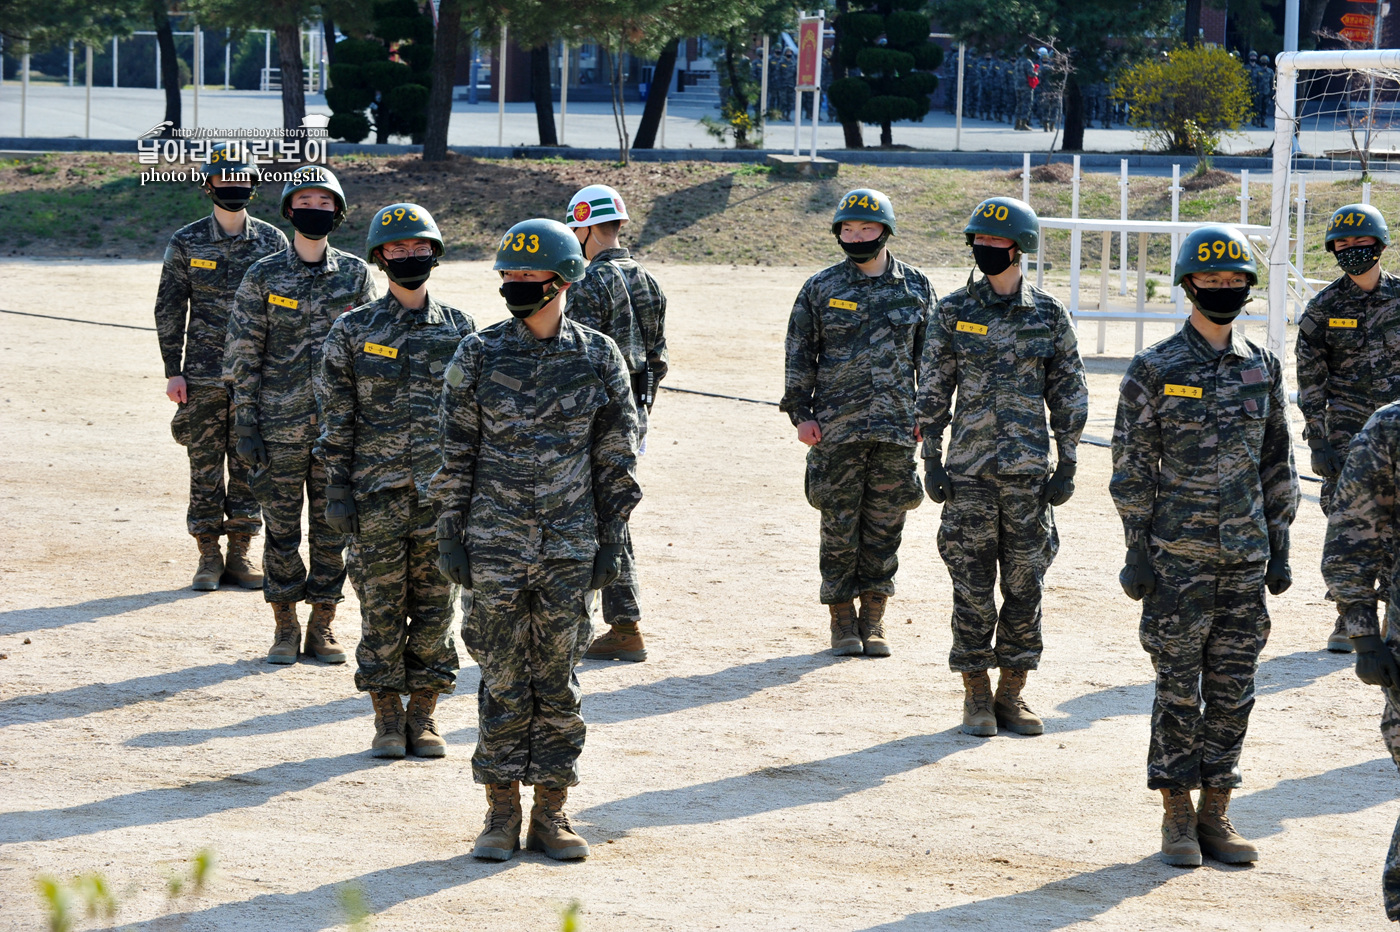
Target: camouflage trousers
(1025,98)
(527,628)
(1204,628)
(622,601)
(206,423)
(405,603)
(1341,442)
(279,490)
(990,523)
(863,490)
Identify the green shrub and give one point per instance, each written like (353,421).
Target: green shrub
(1187,101)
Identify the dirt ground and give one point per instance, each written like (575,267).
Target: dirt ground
(742,778)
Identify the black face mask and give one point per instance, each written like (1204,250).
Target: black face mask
(1221,305)
(525,298)
(863,252)
(1358,260)
(312,222)
(992,260)
(409,272)
(231,197)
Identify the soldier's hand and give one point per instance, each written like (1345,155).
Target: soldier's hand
(176,390)
(340,510)
(1325,460)
(250,447)
(1060,486)
(1375,664)
(1136,576)
(607,566)
(936,481)
(809,432)
(453,562)
(1278,576)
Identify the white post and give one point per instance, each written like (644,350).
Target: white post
(797,122)
(1290,29)
(87,113)
(1074,192)
(1302,201)
(114,61)
(24,92)
(1075,243)
(957,120)
(816,120)
(501,92)
(763,90)
(228,57)
(1026,196)
(1178,296)
(1285,89)
(158,80)
(1244,197)
(1123,237)
(70,62)
(198,72)
(1365,192)
(267,60)
(564,92)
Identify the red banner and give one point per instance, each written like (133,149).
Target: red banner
(809,52)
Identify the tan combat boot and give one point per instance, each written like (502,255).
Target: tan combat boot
(423,737)
(1216,835)
(1337,641)
(623,641)
(978,717)
(1179,844)
(287,641)
(388,726)
(211,563)
(1011,710)
(237,568)
(501,836)
(845,638)
(550,830)
(320,639)
(871,624)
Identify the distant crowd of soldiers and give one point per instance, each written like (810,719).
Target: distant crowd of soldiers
(1261,87)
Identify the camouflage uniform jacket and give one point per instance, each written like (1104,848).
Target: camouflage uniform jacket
(537,444)
(378,388)
(620,298)
(1008,358)
(1202,458)
(281,315)
(853,345)
(203,267)
(1348,355)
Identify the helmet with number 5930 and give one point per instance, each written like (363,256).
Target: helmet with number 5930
(1214,247)
(541,245)
(1356,220)
(402,221)
(1008,218)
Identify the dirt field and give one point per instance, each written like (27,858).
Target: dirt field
(740,779)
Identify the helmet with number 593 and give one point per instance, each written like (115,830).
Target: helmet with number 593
(1214,247)
(1008,218)
(402,221)
(541,245)
(1356,220)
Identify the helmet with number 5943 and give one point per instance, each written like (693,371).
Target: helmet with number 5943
(1214,247)
(541,245)
(1356,220)
(402,221)
(864,204)
(1008,218)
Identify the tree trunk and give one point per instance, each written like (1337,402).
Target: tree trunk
(661,78)
(169,65)
(542,93)
(849,128)
(886,135)
(445,44)
(619,103)
(289,60)
(328,30)
(1074,117)
(1192,30)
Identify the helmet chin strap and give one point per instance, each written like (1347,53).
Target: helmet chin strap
(587,234)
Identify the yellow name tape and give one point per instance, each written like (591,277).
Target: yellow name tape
(843,305)
(965,327)
(281,301)
(203,264)
(1183,391)
(1348,323)
(388,352)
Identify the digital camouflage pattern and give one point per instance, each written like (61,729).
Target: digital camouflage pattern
(853,347)
(279,489)
(1348,361)
(1025,94)
(863,490)
(405,603)
(992,523)
(1008,358)
(206,419)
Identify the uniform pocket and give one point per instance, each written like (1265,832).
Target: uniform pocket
(180,427)
(812,482)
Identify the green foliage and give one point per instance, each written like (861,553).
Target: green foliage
(569,917)
(380,82)
(1187,101)
(887,40)
(359,917)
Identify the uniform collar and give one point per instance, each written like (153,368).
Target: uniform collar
(565,341)
(1207,353)
(429,313)
(894,271)
(218,232)
(329,265)
(607,255)
(982,290)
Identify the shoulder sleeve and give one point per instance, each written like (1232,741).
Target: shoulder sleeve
(1137,453)
(801,348)
(613,456)
(245,345)
(334,385)
(1312,369)
(1277,474)
(459,424)
(1066,389)
(1357,549)
(172,306)
(938,376)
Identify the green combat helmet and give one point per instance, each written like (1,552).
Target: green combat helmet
(227,159)
(537,245)
(1008,218)
(864,204)
(1356,220)
(314,176)
(402,221)
(1214,248)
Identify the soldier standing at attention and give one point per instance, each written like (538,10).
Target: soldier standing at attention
(1009,351)
(204,263)
(281,315)
(853,345)
(1026,80)
(378,389)
(537,481)
(617,297)
(1203,479)
(1348,352)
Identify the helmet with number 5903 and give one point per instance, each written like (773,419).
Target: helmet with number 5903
(1214,247)
(541,245)
(402,221)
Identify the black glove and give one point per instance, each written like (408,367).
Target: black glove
(453,562)
(250,447)
(1375,664)
(936,482)
(1277,575)
(1060,486)
(340,510)
(607,566)
(1325,461)
(1136,576)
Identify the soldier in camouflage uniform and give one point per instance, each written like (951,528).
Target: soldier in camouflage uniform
(281,315)
(378,389)
(1356,554)
(1009,352)
(787,84)
(1348,351)
(619,298)
(1025,81)
(853,345)
(204,263)
(1203,479)
(538,478)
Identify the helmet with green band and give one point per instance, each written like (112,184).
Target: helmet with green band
(313,176)
(1356,220)
(231,158)
(1214,247)
(402,221)
(541,245)
(1008,218)
(864,204)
